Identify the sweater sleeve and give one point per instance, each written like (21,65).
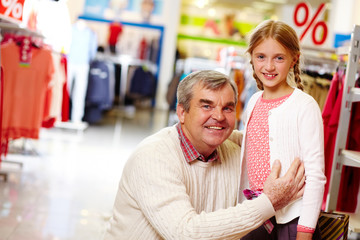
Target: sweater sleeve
(312,153)
(158,187)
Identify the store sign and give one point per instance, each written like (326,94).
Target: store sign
(311,24)
(12,9)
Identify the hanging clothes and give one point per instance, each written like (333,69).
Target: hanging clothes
(65,111)
(55,93)
(238,76)
(98,91)
(316,85)
(25,87)
(2,147)
(115,30)
(350,178)
(143,84)
(82,52)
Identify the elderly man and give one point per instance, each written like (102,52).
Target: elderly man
(183,181)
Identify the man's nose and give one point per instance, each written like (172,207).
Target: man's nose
(218,114)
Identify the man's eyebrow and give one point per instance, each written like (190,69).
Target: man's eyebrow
(208,101)
(232,104)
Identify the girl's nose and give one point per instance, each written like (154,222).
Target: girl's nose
(270,65)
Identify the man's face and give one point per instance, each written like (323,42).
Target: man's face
(211,118)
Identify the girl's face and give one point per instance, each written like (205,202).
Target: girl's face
(272,63)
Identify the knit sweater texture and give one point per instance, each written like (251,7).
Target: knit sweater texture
(161,196)
(295,130)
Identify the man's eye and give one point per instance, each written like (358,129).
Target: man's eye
(228,109)
(206,106)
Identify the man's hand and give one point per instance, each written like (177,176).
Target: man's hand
(281,191)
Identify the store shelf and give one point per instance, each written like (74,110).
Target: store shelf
(355,94)
(344,50)
(80,126)
(213,40)
(342,156)
(350,158)
(354,221)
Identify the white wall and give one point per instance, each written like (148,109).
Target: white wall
(171,23)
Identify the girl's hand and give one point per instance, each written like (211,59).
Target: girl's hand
(304,236)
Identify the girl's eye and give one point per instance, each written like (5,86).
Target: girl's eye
(280,58)
(260,57)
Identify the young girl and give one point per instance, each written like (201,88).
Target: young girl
(282,122)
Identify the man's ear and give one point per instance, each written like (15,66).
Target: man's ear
(180,111)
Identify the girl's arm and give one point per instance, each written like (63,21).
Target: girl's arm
(311,138)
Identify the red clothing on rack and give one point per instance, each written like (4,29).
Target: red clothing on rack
(115,29)
(350,178)
(1,109)
(24,91)
(65,108)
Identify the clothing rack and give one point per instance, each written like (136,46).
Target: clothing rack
(9,26)
(126,61)
(343,157)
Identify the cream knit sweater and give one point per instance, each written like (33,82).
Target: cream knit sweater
(161,196)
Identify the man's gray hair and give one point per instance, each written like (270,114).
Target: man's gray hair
(209,79)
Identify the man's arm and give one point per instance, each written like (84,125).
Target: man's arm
(282,191)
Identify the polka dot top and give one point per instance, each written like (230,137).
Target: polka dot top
(257,142)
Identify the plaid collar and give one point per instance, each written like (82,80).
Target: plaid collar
(190,153)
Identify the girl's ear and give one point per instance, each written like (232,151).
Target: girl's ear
(295,60)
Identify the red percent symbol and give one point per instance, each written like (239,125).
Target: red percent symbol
(304,6)
(12,8)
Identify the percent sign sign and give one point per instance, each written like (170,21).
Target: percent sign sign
(12,8)
(305,21)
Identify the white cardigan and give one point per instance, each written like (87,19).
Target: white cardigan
(295,130)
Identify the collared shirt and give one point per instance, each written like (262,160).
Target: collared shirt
(190,153)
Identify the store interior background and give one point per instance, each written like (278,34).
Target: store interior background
(65,184)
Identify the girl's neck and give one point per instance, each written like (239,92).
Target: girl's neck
(277,93)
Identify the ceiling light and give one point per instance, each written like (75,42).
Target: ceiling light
(276,1)
(201,3)
(262,6)
(212,12)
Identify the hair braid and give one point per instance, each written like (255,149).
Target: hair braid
(258,82)
(297,76)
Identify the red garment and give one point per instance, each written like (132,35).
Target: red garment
(24,91)
(349,184)
(47,120)
(65,109)
(1,109)
(143,49)
(115,30)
